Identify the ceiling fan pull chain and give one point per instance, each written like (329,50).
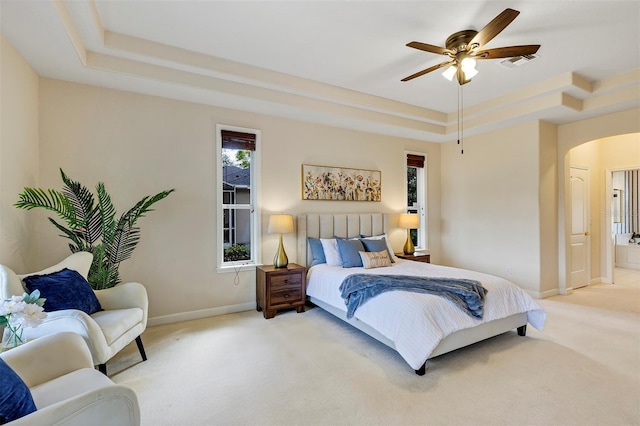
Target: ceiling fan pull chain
(461,121)
(458,129)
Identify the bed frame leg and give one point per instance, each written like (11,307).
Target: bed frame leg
(422,370)
(522,331)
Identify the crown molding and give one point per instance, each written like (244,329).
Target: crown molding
(268,92)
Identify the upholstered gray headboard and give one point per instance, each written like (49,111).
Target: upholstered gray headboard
(327,225)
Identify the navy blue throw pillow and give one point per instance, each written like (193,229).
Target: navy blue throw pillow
(15,399)
(65,289)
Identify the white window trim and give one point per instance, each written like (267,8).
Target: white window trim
(256,243)
(423,240)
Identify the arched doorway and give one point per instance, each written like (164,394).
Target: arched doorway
(570,136)
(602,157)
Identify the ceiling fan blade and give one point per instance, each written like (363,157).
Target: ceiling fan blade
(494,27)
(507,52)
(428,47)
(425,71)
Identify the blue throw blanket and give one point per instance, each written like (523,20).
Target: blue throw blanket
(356,289)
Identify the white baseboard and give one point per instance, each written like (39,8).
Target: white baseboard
(203,313)
(548,293)
(544,294)
(568,291)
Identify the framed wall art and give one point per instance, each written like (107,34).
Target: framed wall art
(340,184)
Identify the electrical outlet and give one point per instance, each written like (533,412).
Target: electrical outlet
(508,270)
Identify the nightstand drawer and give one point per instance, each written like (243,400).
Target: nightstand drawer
(284,281)
(286,297)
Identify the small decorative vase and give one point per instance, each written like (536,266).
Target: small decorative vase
(12,337)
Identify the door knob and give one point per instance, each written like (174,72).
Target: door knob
(586,234)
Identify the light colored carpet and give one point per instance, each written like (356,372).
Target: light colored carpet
(311,369)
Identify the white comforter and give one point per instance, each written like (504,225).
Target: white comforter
(415,322)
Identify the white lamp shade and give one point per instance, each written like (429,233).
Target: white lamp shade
(468,66)
(280,224)
(469,74)
(409,221)
(449,72)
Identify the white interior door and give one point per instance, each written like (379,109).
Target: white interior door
(580,253)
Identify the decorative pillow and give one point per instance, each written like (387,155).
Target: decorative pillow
(375,259)
(382,237)
(317,252)
(331,253)
(374,245)
(65,289)
(349,250)
(15,399)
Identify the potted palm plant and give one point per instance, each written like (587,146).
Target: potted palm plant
(92,225)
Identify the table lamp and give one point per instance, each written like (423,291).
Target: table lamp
(280,224)
(409,221)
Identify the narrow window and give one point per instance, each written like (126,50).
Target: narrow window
(238,226)
(416,197)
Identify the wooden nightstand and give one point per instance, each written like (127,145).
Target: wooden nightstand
(280,288)
(417,256)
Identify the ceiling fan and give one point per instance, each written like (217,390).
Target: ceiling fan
(465,47)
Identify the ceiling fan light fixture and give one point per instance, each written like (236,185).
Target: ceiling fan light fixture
(470,73)
(449,72)
(468,64)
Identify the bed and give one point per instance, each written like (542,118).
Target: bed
(417,326)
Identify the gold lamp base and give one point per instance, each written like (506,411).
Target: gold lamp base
(280,260)
(408,245)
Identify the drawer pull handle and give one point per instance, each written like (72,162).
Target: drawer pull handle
(286,281)
(286,296)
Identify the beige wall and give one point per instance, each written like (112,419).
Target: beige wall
(548,201)
(139,145)
(602,156)
(18,152)
(490,204)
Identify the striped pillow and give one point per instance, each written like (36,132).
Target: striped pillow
(375,259)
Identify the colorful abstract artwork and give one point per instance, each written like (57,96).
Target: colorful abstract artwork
(340,184)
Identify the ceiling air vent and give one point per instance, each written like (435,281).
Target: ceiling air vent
(518,61)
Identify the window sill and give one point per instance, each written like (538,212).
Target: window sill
(227,269)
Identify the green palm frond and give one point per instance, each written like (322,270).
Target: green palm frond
(49,199)
(143,206)
(127,235)
(106,214)
(75,237)
(87,214)
(125,240)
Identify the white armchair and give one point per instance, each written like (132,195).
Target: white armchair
(122,320)
(65,386)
